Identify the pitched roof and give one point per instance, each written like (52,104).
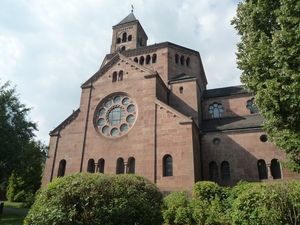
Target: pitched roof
(226,91)
(127,19)
(232,123)
(181,77)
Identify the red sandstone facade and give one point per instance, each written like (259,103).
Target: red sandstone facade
(147,111)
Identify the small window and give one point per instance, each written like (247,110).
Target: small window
(187,61)
(120,76)
(225,170)
(275,169)
(148,59)
(262,169)
(123,48)
(101,164)
(131,165)
(181,90)
(124,37)
(91,166)
(114,77)
(129,38)
(215,110)
(251,106)
(118,40)
(142,60)
(136,60)
(62,168)
(120,166)
(216,141)
(168,166)
(213,171)
(154,58)
(182,60)
(176,58)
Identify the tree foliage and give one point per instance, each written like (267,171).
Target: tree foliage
(94,198)
(269,57)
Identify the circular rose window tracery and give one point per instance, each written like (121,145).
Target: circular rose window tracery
(115,115)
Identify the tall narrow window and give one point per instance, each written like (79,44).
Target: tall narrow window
(187,61)
(213,171)
(136,60)
(120,166)
(262,169)
(131,165)
(120,76)
(62,168)
(148,59)
(123,48)
(142,60)
(225,170)
(215,110)
(101,164)
(181,90)
(182,60)
(275,169)
(176,58)
(118,40)
(168,166)
(91,166)
(154,57)
(124,37)
(114,77)
(129,38)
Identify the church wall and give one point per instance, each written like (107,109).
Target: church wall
(242,150)
(232,105)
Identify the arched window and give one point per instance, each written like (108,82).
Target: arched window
(187,61)
(154,57)
(120,76)
(181,90)
(131,165)
(262,169)
(182,60)
(118,40)
(120,166)
(123,48)
(129,38)
(275,169)
(148,59)
(136,60)
(114,77)
(142,60)
(167,166)
(225,170)
(176,58)
(91,166)
(215,110)
(213,171)
(250,105)
(62,168)
(124,37)
(101,164)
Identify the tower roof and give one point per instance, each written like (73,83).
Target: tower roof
(127,19)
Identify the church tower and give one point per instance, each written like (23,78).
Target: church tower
(128,34)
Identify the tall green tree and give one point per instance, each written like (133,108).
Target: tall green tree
(16,133)
(269,57)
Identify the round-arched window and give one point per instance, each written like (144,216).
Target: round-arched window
(115,115)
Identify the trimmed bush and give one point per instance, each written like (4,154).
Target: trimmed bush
(177,209)
(87,198)
(206,190)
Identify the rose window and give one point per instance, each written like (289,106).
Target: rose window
(116,115)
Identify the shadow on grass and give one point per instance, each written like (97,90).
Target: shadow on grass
(8,218)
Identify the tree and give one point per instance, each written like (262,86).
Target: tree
(269,57)
(94,198)
(17,132)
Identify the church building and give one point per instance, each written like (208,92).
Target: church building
(147,111)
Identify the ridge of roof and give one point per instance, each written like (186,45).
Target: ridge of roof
(225,91)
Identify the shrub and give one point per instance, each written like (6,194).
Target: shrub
(86,198)
(206,190)
(177,209)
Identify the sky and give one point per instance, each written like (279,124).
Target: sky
(48,48)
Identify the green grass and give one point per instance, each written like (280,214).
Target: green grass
(12,218)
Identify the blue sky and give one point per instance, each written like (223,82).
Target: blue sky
(49,48)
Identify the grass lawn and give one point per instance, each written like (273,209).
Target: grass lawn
(12,218)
